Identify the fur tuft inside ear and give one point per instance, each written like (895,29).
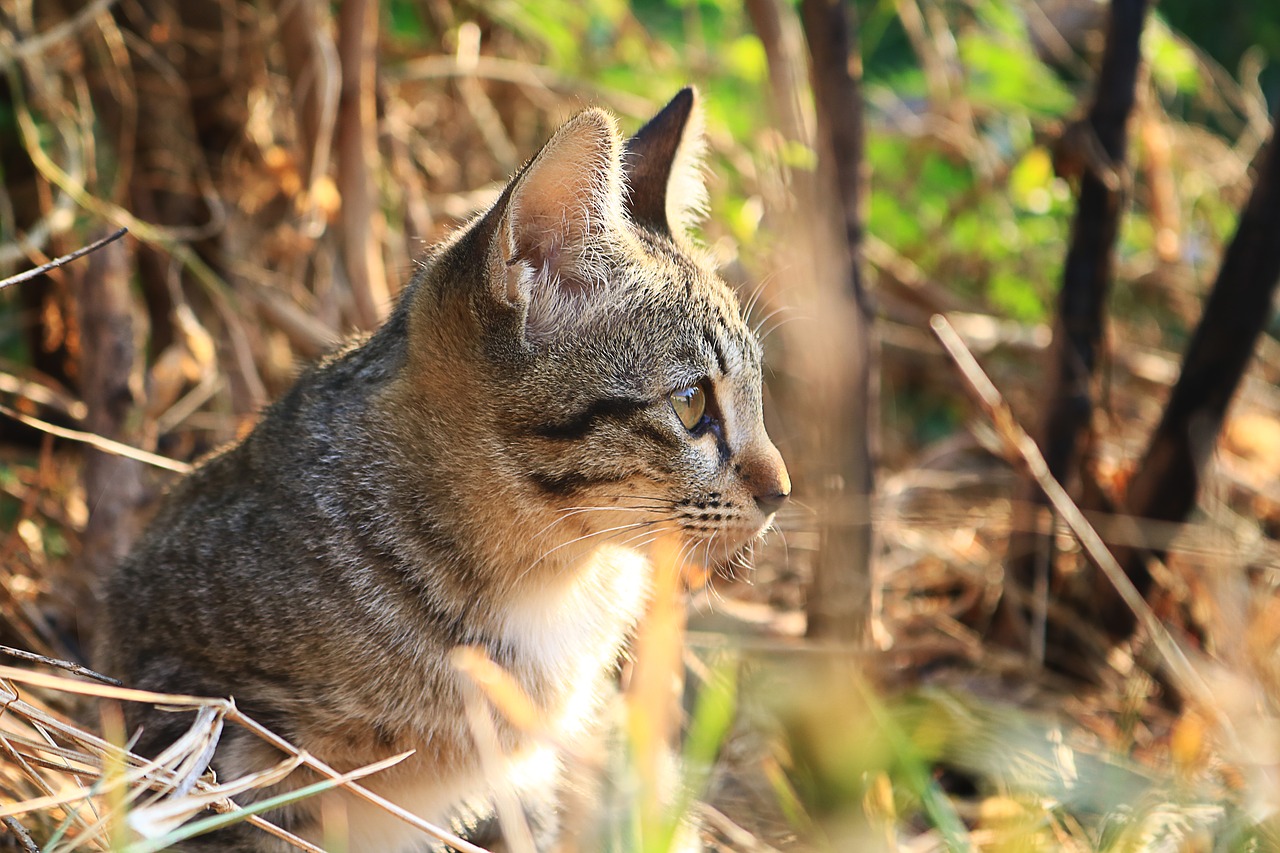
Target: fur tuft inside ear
(666,189)
(556,210)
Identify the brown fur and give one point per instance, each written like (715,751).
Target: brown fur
(477,472)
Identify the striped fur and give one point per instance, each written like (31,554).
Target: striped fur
(482,470)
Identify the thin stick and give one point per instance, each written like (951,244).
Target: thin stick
(1017,440)
(62,261)
(283,834)
(739,837)
(69,666)
(462,845)
(99,443)
(20,832)
(39,42)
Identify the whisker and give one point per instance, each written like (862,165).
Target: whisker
(754,299)
(767,317)
(583,538)
(784,321)
(645,539)
(786,548)
(622,495)
(794,503)
(569,512)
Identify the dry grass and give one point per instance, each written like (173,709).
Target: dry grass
(85,791)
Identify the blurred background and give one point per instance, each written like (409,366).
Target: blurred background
(281,163)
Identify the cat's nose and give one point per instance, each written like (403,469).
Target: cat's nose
(765,474)
(769,504)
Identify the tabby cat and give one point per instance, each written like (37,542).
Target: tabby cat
(564,379)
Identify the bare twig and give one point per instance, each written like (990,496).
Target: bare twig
(62,261)
(69,666)
(357,138)
(477,103)
(168,239)
(110,374)
(521,74)
(20,832)
(1023,447)
(33,45)
(780,37)
(313,66)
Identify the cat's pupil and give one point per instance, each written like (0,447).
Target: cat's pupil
(690,405)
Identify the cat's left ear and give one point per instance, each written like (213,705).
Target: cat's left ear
(662,167)
(550,220)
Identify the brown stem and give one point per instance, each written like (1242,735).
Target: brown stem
(111,384)
(1167,483)
(839,600)
(1078,328)
(357,153)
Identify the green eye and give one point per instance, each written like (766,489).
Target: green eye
(690,405)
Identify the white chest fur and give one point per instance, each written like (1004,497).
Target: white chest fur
(565,640)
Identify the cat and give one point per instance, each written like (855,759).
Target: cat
(564,379)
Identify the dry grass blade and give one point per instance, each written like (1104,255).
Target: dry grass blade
(500,688)
(106,691)
(182,763)
(162,826)
(460,844)
(484,733)
(106,445)
(653,712)
(90,788)
(74,787)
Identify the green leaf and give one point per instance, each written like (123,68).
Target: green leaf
(745,58)
(1173,64)
(1006,77)
(1015,296)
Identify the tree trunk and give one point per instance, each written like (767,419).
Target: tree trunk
(839,599)
(1096,147)
(1167,483)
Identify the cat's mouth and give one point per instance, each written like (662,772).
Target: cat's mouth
(718,539)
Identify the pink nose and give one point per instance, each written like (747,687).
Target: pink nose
(765,474)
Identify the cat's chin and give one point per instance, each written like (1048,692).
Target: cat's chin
(726,546)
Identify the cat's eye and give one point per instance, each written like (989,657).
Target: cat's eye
(690,405)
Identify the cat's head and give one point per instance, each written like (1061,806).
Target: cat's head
(605,363)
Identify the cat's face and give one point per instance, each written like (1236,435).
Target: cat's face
(627,393)
(647,410)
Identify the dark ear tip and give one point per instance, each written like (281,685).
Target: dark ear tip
(683,101)
(670,120)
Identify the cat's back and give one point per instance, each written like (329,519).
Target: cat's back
(248,550)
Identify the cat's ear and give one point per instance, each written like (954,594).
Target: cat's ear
(568,195)
(663,165)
